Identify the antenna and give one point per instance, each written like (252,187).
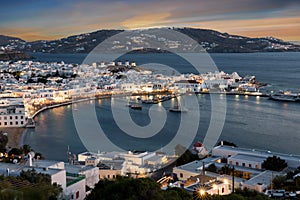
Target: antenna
(69,156)
(203,173)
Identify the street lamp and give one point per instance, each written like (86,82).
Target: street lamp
(202,192)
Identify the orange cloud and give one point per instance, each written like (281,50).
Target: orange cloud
(284,28)
(145,21)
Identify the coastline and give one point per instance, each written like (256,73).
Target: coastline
(15,136)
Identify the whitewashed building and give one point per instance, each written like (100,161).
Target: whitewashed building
(12,113)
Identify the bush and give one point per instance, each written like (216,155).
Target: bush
(274,163)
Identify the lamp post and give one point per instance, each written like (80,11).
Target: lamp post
(230,167)
(233,178)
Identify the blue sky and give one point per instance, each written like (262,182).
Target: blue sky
(51,19)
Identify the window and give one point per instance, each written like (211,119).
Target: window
(250,165)
(244,164)
(5,123)
(181,175)
(22,122)
(10,123)
(16,123)
(108,176)
(223,190)
(77,194)
(16,117)
(10,117)
(0,124)
(5,118)
(237,163)
(114,176)
(22,117)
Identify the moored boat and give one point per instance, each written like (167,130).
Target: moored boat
(285,96)
(178,108)
(136,106)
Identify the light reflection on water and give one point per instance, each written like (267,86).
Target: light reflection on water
(253,122)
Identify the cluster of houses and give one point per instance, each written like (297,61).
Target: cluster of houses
(78,176)
(51,83)
(244,164)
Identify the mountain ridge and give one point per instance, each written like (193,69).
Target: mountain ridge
(212,41)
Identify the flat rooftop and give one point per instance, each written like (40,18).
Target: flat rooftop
(260,152)
(15,169)
(192,166)
(248,157)
(292,160)
(263,178)
(76,169)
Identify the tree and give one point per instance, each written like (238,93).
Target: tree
(225,170)
(3,142)
(29,185)
(26,149)
(278,182)
(212,168)
(129,188)
(15,151)
(34,177)
(274,163)
(185,155)
(180,192)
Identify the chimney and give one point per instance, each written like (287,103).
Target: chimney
(102,64)
(133,64)
(30,159)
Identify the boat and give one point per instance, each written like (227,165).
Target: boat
(285,96)
(30,123)
(136,106)
(150,101)
(178,108)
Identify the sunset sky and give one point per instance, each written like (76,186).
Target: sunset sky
(52,19)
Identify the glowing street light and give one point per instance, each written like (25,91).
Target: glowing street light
(226,181)
(202,192)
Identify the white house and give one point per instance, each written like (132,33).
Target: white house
(12,113)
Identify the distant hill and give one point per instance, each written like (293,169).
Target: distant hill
(216,42)
(212,41)
(7,40)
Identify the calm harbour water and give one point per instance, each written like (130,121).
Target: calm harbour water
(250,122)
